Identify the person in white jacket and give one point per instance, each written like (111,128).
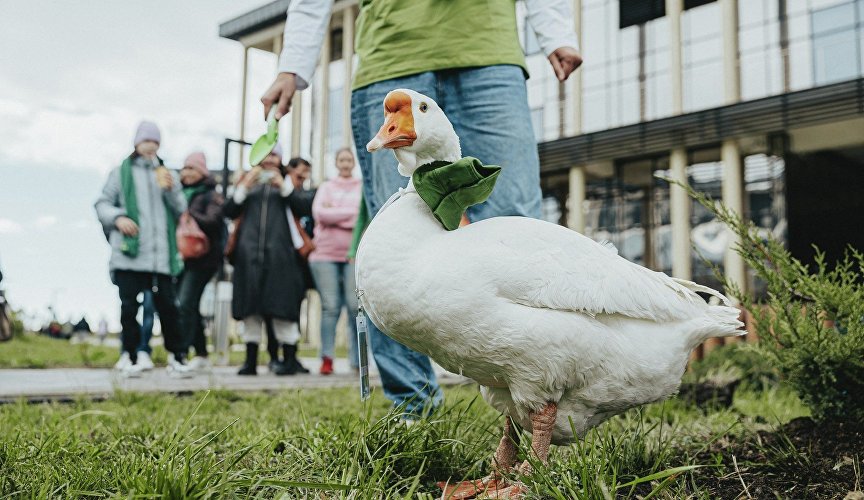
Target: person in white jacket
(466,56)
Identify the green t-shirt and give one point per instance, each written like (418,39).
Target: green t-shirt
(398,38)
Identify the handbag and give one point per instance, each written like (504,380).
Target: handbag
(192,243)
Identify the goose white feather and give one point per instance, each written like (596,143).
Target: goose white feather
(532,311)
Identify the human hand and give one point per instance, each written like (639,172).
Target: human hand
(251,178)
(564,61)
(280,93)
(126,226)
(164,178)
(277,180)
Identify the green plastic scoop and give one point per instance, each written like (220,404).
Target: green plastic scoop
(266,142)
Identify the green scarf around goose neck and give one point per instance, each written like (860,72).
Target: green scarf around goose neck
(131,244)
(450,188)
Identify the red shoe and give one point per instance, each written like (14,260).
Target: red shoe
(326,365)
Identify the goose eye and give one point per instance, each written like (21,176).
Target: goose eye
(423,107)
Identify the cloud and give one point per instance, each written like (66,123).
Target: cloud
(9,226)
(44,221)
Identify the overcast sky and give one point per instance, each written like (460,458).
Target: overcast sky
(75,79)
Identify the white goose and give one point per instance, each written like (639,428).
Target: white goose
(552,325)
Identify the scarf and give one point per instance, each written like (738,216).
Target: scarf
(131,244)
(450,188)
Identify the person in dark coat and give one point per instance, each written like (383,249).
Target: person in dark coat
(268,278)
(205,207)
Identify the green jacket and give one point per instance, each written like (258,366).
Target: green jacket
(398,38)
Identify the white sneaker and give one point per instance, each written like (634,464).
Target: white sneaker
(199,363)
(178,369)
(123,362)
(145,361)
(131,371)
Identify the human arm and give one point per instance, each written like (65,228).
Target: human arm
(326,214)
(108,210)
(173,196)
(551,21)
(305,27)
(206,209)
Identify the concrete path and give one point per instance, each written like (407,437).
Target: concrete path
(67,383)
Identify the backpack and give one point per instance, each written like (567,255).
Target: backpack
(192,243)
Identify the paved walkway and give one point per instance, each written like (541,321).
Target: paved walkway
(66,383)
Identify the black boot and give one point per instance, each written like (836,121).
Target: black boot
(251,364)
(291,362)
(279,368)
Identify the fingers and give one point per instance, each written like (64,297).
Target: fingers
(557,67)
(269,98)
(284,105)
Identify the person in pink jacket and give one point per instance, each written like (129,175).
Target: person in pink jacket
(335,209)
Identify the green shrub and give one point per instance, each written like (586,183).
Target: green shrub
(738,361)
(811,325)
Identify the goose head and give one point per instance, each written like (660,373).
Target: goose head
(417,131)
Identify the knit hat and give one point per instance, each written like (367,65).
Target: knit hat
(147,131)
(198,161)
(277,150)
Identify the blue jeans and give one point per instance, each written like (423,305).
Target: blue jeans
(147,312)
(335,283)
(488,107)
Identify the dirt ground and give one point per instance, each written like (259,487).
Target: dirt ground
(803,459)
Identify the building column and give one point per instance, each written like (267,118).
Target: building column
(679,208)
(731,68)
(576,200)
(733,197)
(674,8)
(347,56)
(319,170)
(242,135)
(296,124)
(575,79)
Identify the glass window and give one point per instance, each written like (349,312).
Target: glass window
(537,123)
(834,18)
(336,44)
(532,46)
(835,56)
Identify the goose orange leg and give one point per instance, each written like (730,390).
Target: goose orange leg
(503,461)
(542,424)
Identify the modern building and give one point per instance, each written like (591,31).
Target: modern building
(760,103)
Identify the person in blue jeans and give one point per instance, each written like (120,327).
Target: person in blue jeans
(478,79)
(148,311)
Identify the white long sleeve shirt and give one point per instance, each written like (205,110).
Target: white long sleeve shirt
(307,20)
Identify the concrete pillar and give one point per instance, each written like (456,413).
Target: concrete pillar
(679,208)
(319,169)
(731,68)
(733,198)
(243,106)
(296,124)
(576,77)
(674,8)
(576,200)
(347,56)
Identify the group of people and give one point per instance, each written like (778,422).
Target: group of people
(477,78)
(275,260)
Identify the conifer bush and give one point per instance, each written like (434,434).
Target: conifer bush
(811,323)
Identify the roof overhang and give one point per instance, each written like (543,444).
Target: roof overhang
(769,115)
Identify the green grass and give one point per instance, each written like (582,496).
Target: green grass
(39,351)
(327,444)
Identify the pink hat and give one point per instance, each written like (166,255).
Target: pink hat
(147,131)
(197,161)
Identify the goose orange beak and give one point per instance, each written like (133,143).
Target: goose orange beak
(398,129)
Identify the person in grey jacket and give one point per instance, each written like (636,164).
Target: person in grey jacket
(138,209)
